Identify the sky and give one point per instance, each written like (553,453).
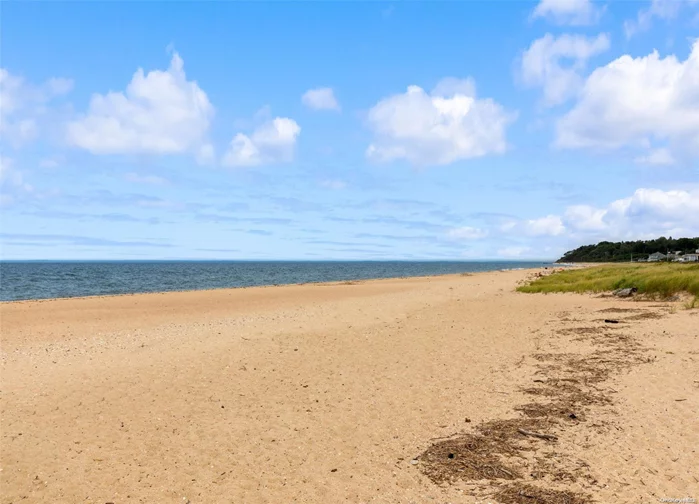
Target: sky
(461,130)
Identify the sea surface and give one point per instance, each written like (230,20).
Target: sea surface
(42,280)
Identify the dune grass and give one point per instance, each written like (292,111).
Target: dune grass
(657,279)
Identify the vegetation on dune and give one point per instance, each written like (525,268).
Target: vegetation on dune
(623,251)
(654,279)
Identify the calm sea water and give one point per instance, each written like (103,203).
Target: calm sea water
(41,280)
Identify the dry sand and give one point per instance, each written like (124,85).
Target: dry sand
(337,392)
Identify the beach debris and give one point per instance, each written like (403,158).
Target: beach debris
(333,470)
(414,462)
(495,450)
(548,437)
(628,292)
(467,457)
(522,493)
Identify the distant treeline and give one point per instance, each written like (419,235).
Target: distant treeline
(621,251)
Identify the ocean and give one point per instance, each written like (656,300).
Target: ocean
(44,279)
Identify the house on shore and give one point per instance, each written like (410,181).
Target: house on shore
(656,256)
(690,258)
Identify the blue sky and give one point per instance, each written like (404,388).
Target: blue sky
(345,130)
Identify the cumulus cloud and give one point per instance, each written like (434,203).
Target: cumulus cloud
(647,212)
(448,125)
(568,12)
(23,103)
(160,112)
(272,142)
(585,218)
(556,63)
(638,102)
(467,233)
(551,225)
(320,99)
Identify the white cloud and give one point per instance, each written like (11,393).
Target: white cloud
(661,157)
(467,233)
(637,102)
(160,112)
(661,9)
(568,12)
(23,103)
(646,213)
(551,225)
(678,205)
(320,99)
(585,218)
(272,142)
(543,64)
(448,125)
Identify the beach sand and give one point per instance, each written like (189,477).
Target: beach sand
(339,392)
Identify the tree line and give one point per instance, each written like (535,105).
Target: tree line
(623,251)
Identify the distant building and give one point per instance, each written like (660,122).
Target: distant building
(656,256)
(690,257)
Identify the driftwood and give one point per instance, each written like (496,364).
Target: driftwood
(549,437)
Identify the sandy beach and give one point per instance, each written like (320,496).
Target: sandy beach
(348,392)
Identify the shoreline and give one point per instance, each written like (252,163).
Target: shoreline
(265,286)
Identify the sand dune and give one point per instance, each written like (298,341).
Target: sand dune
(338,393)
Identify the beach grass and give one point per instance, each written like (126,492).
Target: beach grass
(661,280)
